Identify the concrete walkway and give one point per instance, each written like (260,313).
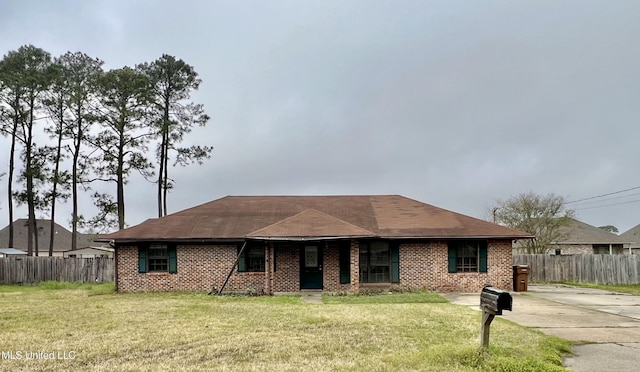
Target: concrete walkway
(604,325)
(311,297)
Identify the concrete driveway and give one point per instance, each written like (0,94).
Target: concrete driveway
(604,325)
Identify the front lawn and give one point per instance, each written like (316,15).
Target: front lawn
(190,331)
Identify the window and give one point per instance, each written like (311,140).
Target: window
(379,263)
(157,258)
(252,258)
(344,251)
(468,256)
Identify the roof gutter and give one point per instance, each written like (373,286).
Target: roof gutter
(456,237)
(169,240)
(306,238)
(303,238)
(560,243)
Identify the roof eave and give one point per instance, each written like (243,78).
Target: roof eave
(457,237)
(301,238)
(169,240)
(564,243)
(307,238)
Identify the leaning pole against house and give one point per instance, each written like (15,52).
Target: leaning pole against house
(235,263)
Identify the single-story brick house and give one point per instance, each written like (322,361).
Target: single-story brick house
(62,237)
(577,237)
(633,236)
(274,244)
(11,252)
(90,252)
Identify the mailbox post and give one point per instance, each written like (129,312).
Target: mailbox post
(492,302)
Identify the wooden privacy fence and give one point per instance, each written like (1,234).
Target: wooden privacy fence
(582,268)
(33,270)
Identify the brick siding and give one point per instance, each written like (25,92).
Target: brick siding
(331,269)
(286,277)
(430,271)
(205,267)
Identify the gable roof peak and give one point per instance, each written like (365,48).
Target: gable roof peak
(311,224)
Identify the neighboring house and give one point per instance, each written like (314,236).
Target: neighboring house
(62,239)
(90,252)
(581,238)
(270,244)
(11,252)
(633,236)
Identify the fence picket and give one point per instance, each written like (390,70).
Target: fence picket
(32,270)
(582,268)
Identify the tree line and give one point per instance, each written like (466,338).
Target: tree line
(97,126)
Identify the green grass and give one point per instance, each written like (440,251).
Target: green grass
(193,331)
(633,289)
(384,298)
(52,285)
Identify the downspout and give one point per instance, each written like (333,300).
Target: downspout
(610,250)
(115,269)
(231,271)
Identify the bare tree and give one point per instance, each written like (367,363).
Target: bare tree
(539,215)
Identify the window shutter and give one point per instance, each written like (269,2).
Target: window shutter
(395,263)
(483,257)
(242,265)
(345,264)
(453,264)
(173,259)
(142,259)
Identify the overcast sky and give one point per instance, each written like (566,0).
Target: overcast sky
(455,104)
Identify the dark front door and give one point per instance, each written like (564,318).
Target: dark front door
(310,267)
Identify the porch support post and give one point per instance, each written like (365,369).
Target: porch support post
(355,265)
(268,266)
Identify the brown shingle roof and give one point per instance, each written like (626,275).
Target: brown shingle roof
(310,223)
(632,235)
(62,239)
(578,232)
(240,217)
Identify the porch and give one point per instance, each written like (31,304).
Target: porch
(326,265)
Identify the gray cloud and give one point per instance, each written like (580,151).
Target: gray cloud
(452,103)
